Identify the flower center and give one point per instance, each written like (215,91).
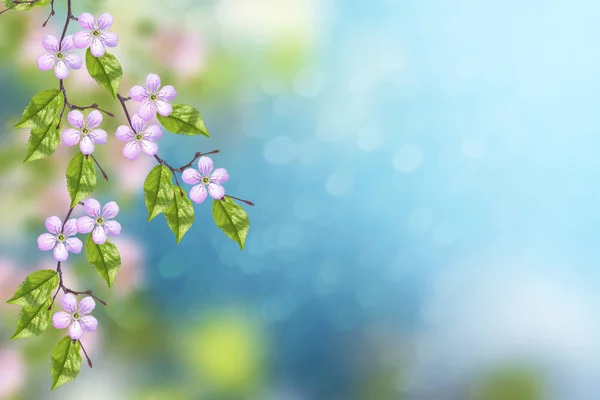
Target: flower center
(76,315)
(85,131)
(206,180)
(153,97)
(138,136)
(96,33)
(60,237)
(59,55)
(99,221)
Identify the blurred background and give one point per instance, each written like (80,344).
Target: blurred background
(425,183)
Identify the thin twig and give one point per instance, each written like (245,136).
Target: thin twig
(52,13)
(99,167)
(86,355)
(242,200)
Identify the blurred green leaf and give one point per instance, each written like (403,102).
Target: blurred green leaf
(33,321)
(81,178)
(184,120)
(158,191)
(105,70)
(180,216)
(509,383)
(232,219)
(35,289)
(43,141)
(25,7)
(66,362)
(105,258)
(42,109)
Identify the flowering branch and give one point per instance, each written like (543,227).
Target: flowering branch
(44,116)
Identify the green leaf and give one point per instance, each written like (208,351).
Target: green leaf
(35,289)
(105,258)
(184,120)
(66,362)
(232,219)
(33,321)
(180,216)
(81,178)
(25,7)
(158,191)
(42,109)
(105,70)
(43,141)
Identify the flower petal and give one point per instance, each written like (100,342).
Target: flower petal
(50,43)
(138,123)
(138,93)
(85,224)
(191,176)
(60,252)
(153,83)
(73,61)
(148,147)
(75,118)
(167,93)
(46,61)
(205,165)
(99,136)
(89,323)
(99,235)
(70,136)
(75,331)
(198,194)
(131,150)
(87,305)
(110,210)
(61,71)
(147,110)
(54,225)
(74,245)
(165,109)
(92,207)
(105,21)
(153,132)
(70,228)
(216,191)
(82,39)
(124,133)
(109,39)
(61,320)
(46,241)
(94,119)
(86,145)
(69,303)
(86,21)
(113,228)
(97,48)
(67,44)
(219,175)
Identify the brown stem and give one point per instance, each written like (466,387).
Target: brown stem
(99,167)
(19,2)
(196,156)
(242,200)
(89,361)
(52,13)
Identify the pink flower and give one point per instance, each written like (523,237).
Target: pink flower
(139,138)
(76,316)
(95,34)
(60,238)
(84,132)
(153,98)
(205,177)
(99,220)
(58,57)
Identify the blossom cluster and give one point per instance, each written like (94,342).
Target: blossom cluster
(139,136)
(61,236)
